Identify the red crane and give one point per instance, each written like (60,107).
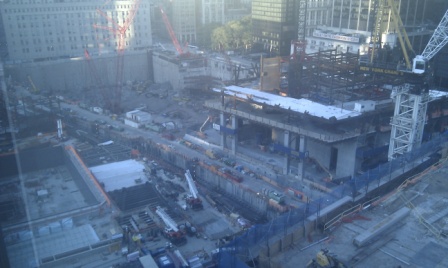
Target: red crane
(171,32)
(120,32)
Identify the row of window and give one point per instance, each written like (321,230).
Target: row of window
(82,38)
(69,8)
(90,15)
(26,50)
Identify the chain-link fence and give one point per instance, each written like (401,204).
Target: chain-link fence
(242,250)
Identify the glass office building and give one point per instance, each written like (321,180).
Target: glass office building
(274,25)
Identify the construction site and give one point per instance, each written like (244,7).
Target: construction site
(173,157)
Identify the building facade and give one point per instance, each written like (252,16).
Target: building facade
(346,25)
(274,25)
(212,11)
(51,29)
(184,20)
(236,9)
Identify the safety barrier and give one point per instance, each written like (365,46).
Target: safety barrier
(246,247)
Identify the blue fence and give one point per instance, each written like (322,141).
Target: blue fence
(241,249)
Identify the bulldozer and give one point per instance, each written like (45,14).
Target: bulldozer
(324,259)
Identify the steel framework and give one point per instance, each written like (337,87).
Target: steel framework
(408,121)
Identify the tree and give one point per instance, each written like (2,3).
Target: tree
(233,35)
(204,38)
(221,38)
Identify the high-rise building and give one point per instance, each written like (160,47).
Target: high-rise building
(349,23)
(183,18)
(274,25)
(212,11)
(236,9)
(47,29)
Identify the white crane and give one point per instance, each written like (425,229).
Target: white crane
(438,40)
(169,222)
(411,102)
(191,185)
(194,201)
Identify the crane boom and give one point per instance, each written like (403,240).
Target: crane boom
(171,32)
(193,189)
(35,89)
(401,32)
(438,40)
(169,222)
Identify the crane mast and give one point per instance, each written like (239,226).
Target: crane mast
(411,100)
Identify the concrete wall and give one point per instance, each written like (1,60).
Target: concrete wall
(319,151)
(346,159)
(277,135)
(167,71)
(76,74)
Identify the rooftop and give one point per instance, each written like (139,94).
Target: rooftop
(303,106)
(118,175)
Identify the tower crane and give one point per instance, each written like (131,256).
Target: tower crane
(438,40)
(193,200)
(97,79)
(171,231)
(121,32)
(411,99)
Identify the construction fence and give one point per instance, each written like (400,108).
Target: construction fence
(261,240)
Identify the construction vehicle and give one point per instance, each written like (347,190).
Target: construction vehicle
(171,231)
(211,154)
(324,259)
(209,118)
(193,200)
(35,89)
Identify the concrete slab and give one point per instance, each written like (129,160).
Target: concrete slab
(431,255)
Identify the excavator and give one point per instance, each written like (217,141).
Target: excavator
(324,259)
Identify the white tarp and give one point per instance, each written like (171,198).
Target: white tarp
(304,106)
(119,175)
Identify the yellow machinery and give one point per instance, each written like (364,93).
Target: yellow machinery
(35,89)
(382,7)
(325,260)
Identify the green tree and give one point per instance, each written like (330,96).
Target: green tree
(220,38)
(233,35)
(204,38)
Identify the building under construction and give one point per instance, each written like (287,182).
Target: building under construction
(338,113)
